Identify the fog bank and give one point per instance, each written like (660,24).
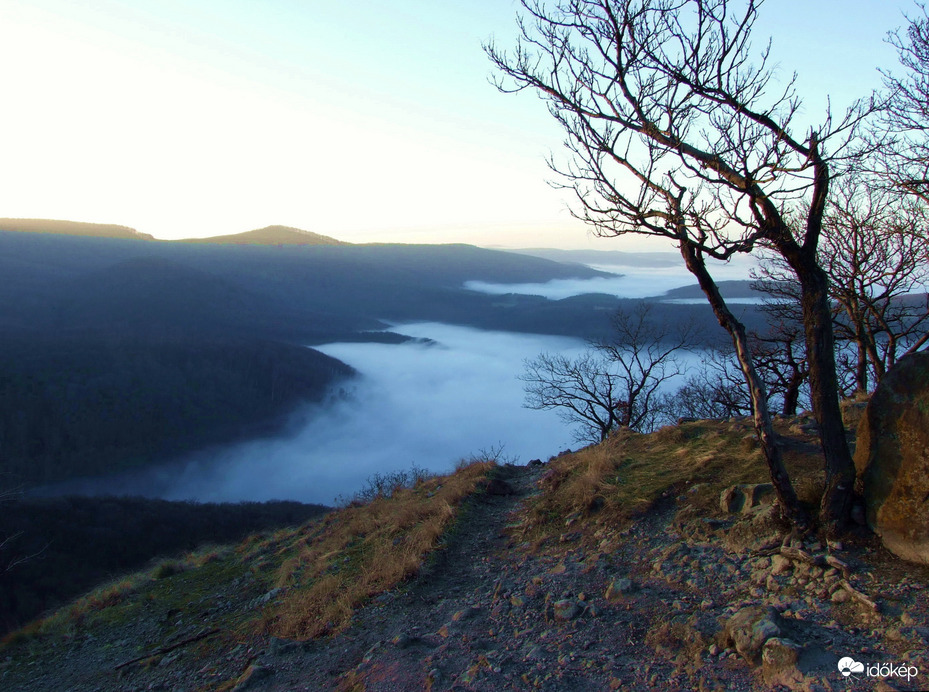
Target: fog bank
(413,403)
(631,281)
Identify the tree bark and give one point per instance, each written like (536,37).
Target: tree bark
(835,508)
(861,370)
(761,416)
(792,393)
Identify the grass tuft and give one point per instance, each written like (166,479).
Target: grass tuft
(625,476)
(329,567)
(168,568)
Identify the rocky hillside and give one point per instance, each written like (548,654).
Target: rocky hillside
(647,562)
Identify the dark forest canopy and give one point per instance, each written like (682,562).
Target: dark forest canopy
(96,404)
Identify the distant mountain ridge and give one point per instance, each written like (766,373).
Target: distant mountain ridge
(79,228)
(606,257)
(301,294)
(270,235)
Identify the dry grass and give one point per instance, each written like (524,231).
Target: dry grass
(331,566)
(325,568)
(74,615)
(114,593)
(623,477)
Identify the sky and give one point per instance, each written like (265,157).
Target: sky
(368,121)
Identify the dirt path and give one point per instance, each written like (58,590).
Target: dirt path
(488,616)
(432,629)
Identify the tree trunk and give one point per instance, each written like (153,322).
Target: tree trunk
(792,392)
(761,416)
(861,370)
(835,508)
(862,363)
(870,342)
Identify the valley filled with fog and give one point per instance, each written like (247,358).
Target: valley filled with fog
(424,404)
(224,373)
(450,393)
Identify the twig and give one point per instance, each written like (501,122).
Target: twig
(839,565)
(816,560)
(858,596)
(802,556)
(172,647)
(22,558)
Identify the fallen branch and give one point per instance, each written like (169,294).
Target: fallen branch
(858,596)
(799,555)
(172,647)
(823,561)
(839,565)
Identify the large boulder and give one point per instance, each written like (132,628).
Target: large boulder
(892,459)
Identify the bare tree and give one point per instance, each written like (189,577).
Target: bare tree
(717,390)
(676,129)
(615,383)
(780,355)
(583,390)
(875,251)
(906,114)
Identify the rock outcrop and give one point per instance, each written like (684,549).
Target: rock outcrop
(743,498)
(892,459)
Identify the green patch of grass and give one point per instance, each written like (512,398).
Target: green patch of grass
(180,586)
(168,568)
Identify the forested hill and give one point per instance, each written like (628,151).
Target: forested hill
(298,293)
(97,403)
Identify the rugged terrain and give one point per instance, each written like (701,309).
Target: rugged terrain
(651,582)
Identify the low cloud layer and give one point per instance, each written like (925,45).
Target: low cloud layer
(428,405)
(630,282)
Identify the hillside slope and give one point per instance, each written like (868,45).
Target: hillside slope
(298,293)
(612,568)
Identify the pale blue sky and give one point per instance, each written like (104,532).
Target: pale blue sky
(369,121)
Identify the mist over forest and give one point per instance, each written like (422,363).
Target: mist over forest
(287,356)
